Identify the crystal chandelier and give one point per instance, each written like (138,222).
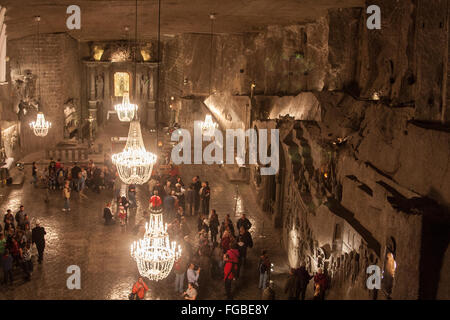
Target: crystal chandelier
(155,254)
(40,126)
(126,110)
(208,126)
(134,164)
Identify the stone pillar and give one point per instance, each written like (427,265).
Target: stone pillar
(152,87)
(107,93)
(91,72)
(151,114)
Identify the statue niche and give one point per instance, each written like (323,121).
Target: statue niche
(99,87)
(144,85)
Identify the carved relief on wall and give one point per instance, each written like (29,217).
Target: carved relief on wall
(24,89)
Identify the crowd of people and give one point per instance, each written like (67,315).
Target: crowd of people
(216,250)
(73,178)
(16,241)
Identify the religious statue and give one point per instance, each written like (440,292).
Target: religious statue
(144,86)
(99,87)
(70,119)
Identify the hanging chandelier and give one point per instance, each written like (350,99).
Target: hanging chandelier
(155,254)
(126,110)
(208,126)
(40,126)
(134,164)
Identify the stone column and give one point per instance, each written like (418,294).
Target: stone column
(152,84)
(151,114)
(91,71)
(106,92)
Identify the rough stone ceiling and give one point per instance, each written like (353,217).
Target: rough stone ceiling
(106,19)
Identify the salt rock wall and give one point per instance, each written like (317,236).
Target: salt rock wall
(60,80)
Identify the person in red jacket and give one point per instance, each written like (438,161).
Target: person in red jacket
(231,261)
(155,200)
(320,282)
(139,289)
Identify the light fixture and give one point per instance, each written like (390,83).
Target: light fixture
(126,110)
(40,126)
(208,126)
(155,254)
(134,164)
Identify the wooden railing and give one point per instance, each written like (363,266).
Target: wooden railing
(72,154)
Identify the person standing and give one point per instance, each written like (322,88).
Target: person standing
(34,174)
(180,270)
(27,263)
(264,270)
(2,244)
(189,200)
(179,193)
(75,171)
(132,196)
(197,187)
(230,270)
(227,223)
(82,184)
(243,222)
(7,264)
(66,196)
(139,289)
(122,214)
(192,274)
(205,193)
(214,225)
(20,215)
(107,215)
(303,280)
(321,284)
(169,205)
(38,237)
(244,241)
(291,285)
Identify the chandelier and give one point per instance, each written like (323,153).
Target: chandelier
(208,126)
(155,254)
(40,126)
(134,164)
(126,110)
